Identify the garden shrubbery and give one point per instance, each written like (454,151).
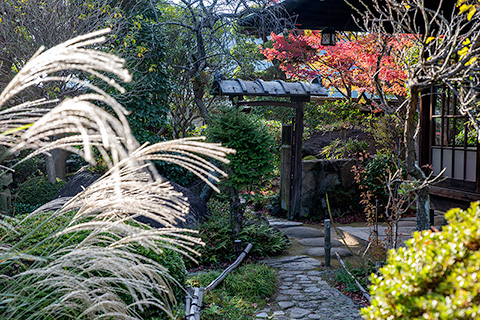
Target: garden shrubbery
(239,294)
(436,277)
(35,192)
(216,232)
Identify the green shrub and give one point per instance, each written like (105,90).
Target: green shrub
(219,245)
(331,115)
(340,149)
(251,139)
(37,191)
(436,277)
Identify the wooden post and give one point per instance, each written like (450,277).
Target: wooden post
(296,188)
(328,244)
(238,247)
(286,167)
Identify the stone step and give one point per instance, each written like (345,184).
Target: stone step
(284,224)
(293,263)
(318,242)
(303,232)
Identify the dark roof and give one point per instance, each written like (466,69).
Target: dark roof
(332,14)
(319,15)
(278,88)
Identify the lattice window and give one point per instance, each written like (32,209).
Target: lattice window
(453,140)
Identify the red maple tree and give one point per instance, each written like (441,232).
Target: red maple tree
(352,64)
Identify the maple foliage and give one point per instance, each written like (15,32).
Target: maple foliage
(351,64)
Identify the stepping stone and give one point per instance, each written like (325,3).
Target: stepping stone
(296,313)
(294,263)
(284,224)
(285,305)
(320,252)
(262,315)
(318,242)
(303,232)
(407,223)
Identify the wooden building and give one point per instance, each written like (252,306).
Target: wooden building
(447,142)
(445,138)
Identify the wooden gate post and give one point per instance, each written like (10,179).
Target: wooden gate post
(286,167)
(296,187)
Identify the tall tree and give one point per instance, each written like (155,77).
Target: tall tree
(139,40)
(201,35)
(356,62)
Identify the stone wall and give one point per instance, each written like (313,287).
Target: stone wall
(334,177)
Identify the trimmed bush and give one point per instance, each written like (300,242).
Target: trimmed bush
(436,277)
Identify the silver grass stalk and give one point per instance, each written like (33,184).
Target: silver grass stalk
(88,280)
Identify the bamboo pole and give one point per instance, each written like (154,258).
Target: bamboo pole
(232,267)
(194,301)
(364,292)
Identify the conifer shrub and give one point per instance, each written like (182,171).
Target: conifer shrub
(436,277)
(250,137)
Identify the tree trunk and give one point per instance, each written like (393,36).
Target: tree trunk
(236,211)
(56,164)
(423,197)
(198,92)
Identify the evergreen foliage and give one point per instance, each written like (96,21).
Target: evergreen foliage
(252,163)
(436,277)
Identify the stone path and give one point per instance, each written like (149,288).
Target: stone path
(303,292)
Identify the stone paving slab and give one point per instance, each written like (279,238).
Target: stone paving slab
(284,224)
(318,242)
(303,232)
(294,263)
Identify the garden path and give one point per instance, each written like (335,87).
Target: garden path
(304,292)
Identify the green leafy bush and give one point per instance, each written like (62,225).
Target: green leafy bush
(219,245)
(436,277)
(376,171)
(35,192)
(236,296)
(331,115)
(371,174)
